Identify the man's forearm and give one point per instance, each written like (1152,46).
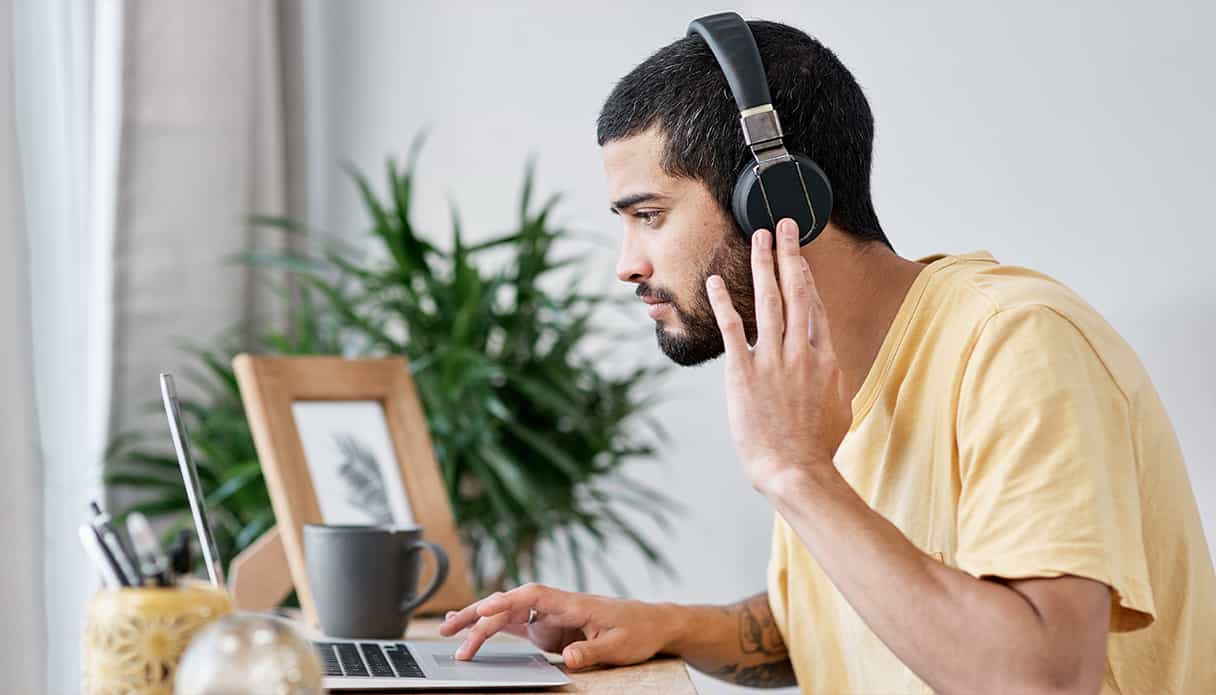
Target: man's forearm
(958,633)
(739,643)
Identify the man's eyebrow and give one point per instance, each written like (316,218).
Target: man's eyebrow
(632,200)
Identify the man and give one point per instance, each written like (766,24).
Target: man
(976,487)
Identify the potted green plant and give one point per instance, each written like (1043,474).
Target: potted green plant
(530,431)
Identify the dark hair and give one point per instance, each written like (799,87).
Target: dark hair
(823,112)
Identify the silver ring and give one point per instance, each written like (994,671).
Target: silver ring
(532,614)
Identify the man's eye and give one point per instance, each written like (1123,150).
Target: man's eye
(648,217)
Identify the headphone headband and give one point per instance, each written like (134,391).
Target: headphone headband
(733,45)
(779,183)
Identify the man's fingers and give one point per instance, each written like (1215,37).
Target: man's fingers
(517,629)
(517,602)
(484,629)
(455,621)
(552,602)
(605,649)
(820,333)
(729,323)
(769,324)
(794,292)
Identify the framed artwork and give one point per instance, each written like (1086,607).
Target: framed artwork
(345,441)
(350,458)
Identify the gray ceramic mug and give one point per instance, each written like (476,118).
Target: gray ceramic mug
(364,579)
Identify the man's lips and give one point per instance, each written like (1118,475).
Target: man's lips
(655,304)
(655,307)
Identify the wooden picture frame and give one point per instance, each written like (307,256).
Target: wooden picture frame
(272,389)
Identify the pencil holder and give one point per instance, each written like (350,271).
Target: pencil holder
(135,636)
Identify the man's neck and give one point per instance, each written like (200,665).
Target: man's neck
(862,287)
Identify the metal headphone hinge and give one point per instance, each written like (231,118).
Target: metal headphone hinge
(762,133)
(773,155)
(760,124)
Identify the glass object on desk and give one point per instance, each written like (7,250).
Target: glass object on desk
(249,654)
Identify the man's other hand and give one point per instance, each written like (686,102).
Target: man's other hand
(587,630)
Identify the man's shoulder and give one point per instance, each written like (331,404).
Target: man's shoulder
(1021,306)
(993,287)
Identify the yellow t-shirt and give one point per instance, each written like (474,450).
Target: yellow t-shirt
(1009,431)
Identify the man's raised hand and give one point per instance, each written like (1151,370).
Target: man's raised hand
(785,396)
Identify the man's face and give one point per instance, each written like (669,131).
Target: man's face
(675,237)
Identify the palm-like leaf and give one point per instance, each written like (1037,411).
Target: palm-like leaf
(530,433)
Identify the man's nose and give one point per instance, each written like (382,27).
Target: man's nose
(632,265)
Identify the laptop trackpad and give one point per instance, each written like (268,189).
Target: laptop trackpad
(493,662)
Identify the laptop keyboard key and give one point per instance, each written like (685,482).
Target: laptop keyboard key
(404,662)
(376,661)
(328,658)
(352,665)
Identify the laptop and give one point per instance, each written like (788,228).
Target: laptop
(375,664)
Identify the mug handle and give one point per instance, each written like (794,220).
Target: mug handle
(441,573)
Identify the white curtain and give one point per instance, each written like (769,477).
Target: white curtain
(69,309)
(203,145)
(21,592)
(135,136)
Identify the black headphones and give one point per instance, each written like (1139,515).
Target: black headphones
(780,183)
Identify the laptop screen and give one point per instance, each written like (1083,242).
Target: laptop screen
(194,488)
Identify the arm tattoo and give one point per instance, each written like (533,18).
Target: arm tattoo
(776,674)
(758,634)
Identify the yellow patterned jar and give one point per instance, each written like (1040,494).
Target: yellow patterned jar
(134,637)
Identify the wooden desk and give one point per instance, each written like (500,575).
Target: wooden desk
(666,676)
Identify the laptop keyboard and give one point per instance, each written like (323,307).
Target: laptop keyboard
(368,660)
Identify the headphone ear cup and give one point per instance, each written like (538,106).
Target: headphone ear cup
(784,185)
(744,184)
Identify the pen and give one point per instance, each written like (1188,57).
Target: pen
(152,560)
(113,541)
(179,554)
(93,546)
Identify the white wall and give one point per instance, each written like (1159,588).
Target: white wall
(1075,140)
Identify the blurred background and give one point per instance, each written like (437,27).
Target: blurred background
(137,138)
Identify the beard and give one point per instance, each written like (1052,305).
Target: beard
(701,340)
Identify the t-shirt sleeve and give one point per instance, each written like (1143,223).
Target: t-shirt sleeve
(1047,469)
(778,576)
